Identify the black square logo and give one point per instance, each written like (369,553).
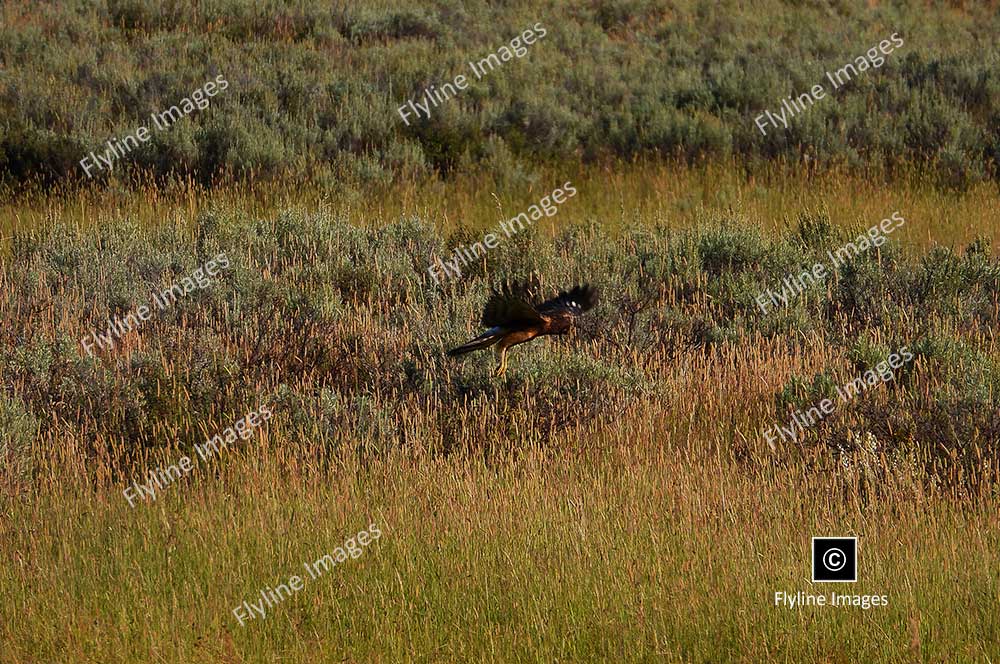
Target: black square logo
(835,559)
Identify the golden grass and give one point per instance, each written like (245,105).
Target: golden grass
(674,195)
(658,529)
(642,538)
(633,552)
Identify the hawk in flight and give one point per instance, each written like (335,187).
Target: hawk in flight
(512,320)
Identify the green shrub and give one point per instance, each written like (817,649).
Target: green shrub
(314,90)
(18,430)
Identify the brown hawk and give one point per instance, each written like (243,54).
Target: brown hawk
(512,320)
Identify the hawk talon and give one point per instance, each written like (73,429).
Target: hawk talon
(502,367)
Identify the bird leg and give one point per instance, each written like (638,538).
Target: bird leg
(502,367)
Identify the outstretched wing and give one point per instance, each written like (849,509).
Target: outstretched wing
(509,311)
(526,289)
(574,301)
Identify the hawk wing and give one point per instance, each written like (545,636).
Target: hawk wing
(574,301)
(509,311)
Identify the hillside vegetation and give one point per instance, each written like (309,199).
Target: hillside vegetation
(314,87)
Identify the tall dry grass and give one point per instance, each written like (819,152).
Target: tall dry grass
(630,542)
(611,497)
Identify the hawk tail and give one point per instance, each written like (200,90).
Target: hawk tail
(484,340)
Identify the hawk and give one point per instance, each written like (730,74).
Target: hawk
(512,320)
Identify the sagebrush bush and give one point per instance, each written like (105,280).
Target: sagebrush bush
(343,326)
(314,89)
(18,431)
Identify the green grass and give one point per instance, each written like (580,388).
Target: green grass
(623,553)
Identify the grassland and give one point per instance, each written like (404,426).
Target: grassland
(629,545)
(612,497)
(670,194)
